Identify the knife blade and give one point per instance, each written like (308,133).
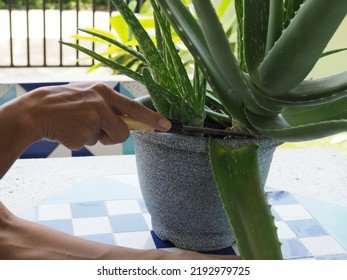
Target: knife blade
(178,127)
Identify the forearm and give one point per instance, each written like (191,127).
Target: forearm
(21,239)
(16,134)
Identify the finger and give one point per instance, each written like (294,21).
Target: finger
(113,129)
(126,106)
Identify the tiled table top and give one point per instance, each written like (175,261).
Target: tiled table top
(110,209)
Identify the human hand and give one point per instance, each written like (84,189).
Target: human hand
(84,113)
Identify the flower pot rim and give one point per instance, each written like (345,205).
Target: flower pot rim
(197,144)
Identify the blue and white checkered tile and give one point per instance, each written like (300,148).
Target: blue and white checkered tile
(110,209)
(45,148)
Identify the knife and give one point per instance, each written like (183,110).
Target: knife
(178,127)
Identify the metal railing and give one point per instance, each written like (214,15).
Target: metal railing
(30,36)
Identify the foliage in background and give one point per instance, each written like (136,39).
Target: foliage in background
(120,32)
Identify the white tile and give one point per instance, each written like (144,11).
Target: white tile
(136,240)
(322,245)
(119,207)
(292,212)
(54,211)
(284,231)
(94,225)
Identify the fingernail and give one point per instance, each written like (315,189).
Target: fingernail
(165,124)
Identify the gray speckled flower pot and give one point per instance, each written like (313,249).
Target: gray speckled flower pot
(179,189)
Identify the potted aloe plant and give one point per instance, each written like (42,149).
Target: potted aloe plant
(262,91)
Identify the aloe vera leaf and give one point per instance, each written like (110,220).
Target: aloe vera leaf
(199,87)
(236,172)
(169,104)
(221,52)
(219,118)
(110,63)
(333,52)
(153,58)
(124,47)
(335,110)
(190,32)
(275,25)
(240,45)
(255,25)
(297,126)
(308,101)
(290,8)
(300,45)
(181,77)
(315,92)
(219,45)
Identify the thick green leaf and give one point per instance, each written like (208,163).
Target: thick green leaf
(179,72)
(221,52)
(301,45)
(190,32)
(303,124)
(153,58)
(275,25)
(333,52)
(314,92)
(255,25)
(291,6)
(236,171)
(240,43)
(169,104)
(219,46)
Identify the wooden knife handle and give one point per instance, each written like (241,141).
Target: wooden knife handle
(136,125)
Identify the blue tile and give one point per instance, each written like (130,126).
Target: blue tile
(83,152)
(106,238)
(10,94)
(331,216)
(307,228)
(294,249)
(40,149)
(32,86)
(88,209)
(280,198)
(161,244)
(128,223)
(123,90)
(62,225)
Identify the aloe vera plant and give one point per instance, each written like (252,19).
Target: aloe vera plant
(244,200)
(261,88)
(264,90)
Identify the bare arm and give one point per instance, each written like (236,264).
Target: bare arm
(74,115)
(21,239)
